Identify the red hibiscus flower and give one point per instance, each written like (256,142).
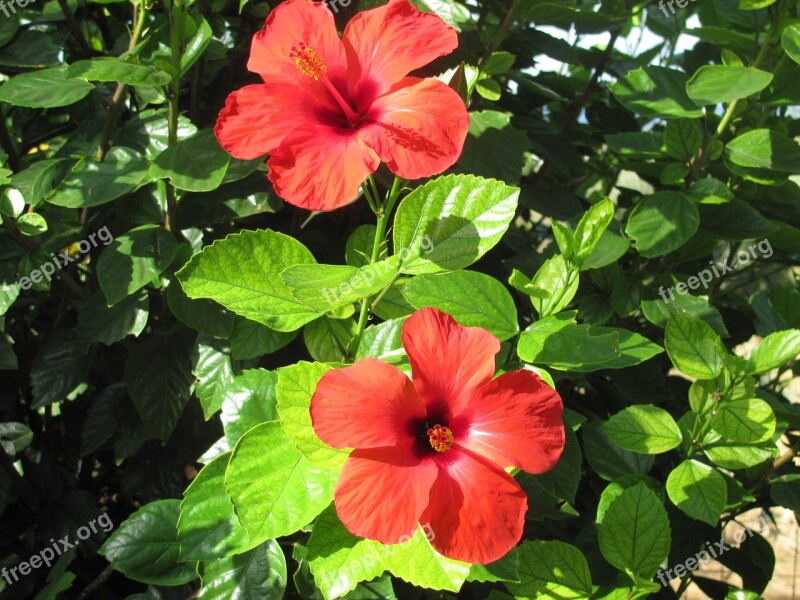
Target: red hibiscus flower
(434,450)
(330,109)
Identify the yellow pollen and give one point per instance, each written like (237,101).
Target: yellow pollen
(308,61)
(441,438)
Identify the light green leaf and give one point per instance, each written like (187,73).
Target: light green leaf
(473,299)
(35,89)
(747,421)
(693,347)
(249,401)
(242,272)
(416,562)
(119,70)
(450,222)
(663,222)
(338,559)
(328,287)
(635,535)
(655,91)
(774,351)
(133,260)
(208,528)
(715,84)
(698,490)
(213,372)
(591,228)
(644,428)
(275,489)
(790,40)
(296,386)
(145,547)
(765,149)
(552,570)
(259,574)
(682,138)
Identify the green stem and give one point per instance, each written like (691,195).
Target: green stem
(175,16)
(383,214)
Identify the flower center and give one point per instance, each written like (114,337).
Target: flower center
(308,61)
(441,438)
(311,65)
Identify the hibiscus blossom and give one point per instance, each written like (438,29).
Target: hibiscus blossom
(331,109)
(433,450)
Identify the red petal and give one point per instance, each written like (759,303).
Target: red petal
(448,361)
(257,118)
(476,511)
(367,405)
(386,43)
(514,421)
(319,167)
(289,24)
(382,492)
(418,128)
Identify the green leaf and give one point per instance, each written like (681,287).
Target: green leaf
(683,138)
(213,373)
(249,401)
(32,224)
(655,91)
(473,299)
(35,89)
(734,455)
(553,287)
(328,287)
(242,272)
(58,369)
(416,562)
(383,342)
(338,559)
(608,459)
(591,228)
(133,260)
(274,488)
(259,574)
(551,570)
(560,344)
(327,339)
(92,183)
(194,164)
(747,421)
(635,535)
(100,323)
(159,379)
(765,149)
(450,222)
(785,491)
(15,437)
(698,490)
(494,148)
(254,340)
(119,70)
(145,547)
(716,84)
(208,528)
(644,428)
(693,347)
(790,40)
(296,386)
(774,351)
(662,222)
